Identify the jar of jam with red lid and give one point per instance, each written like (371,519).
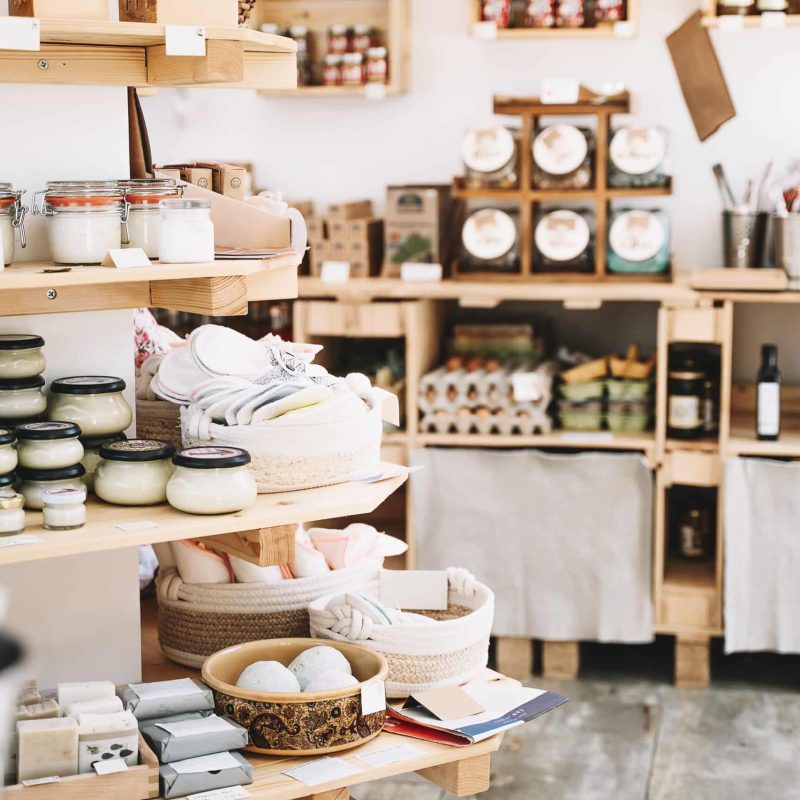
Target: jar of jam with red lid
(338,39)
(352,69)
(332,70)
(609,10)
(377,65)
(741,8)
(539,14)
(363,38)
(497,11)
(571,14)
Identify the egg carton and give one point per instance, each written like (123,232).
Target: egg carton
(526,420)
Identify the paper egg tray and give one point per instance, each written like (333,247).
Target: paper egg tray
(525,420)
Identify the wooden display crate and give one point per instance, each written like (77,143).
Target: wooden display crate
(713,20)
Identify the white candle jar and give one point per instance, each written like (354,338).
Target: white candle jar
(94,402)
(21,355)
(63,509)
(37,481)
(12,216)
(12,515)
(22,398)
(8,451)
(187,232)
(134,472)
(211,480)
(84,220)
(49,445)
(91,454)
(144,218)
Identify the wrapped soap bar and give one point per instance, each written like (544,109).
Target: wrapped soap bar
(69,693)
(165,698)
(104,705)
(203,774)
(102,737)
(179,739)
(47,747)
(47,710)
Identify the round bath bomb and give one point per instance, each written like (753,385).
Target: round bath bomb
(330,680)
(319,659)
(268,676)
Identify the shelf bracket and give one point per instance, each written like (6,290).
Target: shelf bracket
(461,778)
(264,547)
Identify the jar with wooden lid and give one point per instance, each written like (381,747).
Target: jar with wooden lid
(144,217)
(352,69)
(564,241)
(377,65)
(637,157)
(332,70)
(490,241)
(738,7)
(562,157)
(638,242)
(12,218)
(490,157)
(338,39)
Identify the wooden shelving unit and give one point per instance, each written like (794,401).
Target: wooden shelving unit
(134,54)
(529,199)
(391,18)
(730,22)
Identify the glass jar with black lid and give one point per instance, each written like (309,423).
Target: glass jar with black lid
(692,392)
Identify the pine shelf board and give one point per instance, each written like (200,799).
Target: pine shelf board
(602,440)
(270,511)
(743,441)
(602,31)
(391,90)
(218,288)
(714,21)
(690,576)
(518,194)
(694,446)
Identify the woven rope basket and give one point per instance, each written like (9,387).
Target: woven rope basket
(196,620)
(157,419)
(245,10)
(421,656)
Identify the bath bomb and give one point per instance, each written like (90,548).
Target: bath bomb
(329,680)
(319,659)
(268,676)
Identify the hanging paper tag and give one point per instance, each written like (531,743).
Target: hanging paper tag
(373,697)
(185,40)
(624,29)
(414,590)
(20,33)
(335,271)
(486,30)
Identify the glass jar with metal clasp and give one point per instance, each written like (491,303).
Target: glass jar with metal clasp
(144,218)
(12,215)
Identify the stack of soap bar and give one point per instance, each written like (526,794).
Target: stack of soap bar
(186,736)
(166,698)
(47,747)
(105,705)
(29,694)
(204,774)
(106,736)
(69,693)
(47,710)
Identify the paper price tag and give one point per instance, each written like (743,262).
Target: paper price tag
(624,29)
(322,770)
(410,271)
(335,271)
(731,22)
(128,258)
(26,538)
(486,30)
(20,33)
(375,91)
(110,767)
(773,19)
(391,755)
(41,781)
(373,697)
(560,90)
(525,386)
(601,436)
(185,40)
(414,590)
(231,793)
(139,525)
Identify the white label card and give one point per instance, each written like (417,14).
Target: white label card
(392,755)
(421,272)
(193,727)
(624,29)
(560,90)
(185,40)
(139,525)
(212,763)
(127,258)
(41,781)
(599,436)
(20,33)
(731,22)
(373,697)
(773,19)
(335,271)
(414,590)
(231,793)
(375,91)
(486,30)
(525,386)
(161,689)
(110,767)
(26,538)
(322,770)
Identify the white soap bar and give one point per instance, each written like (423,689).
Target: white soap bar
(105,705)
(47,747)
(103,737)
(46,710)
(69,693)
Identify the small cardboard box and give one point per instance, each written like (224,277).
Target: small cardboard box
(170,172)
(96,10)
(199,176)
(226,179)
(356,209)
(337,229)
(305,207)
(318,252)
(361,269)
(337,250)
(317,230)
(211,13)
(358,251)
(364,229)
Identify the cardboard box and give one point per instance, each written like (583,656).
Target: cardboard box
(199,176)
(96,10)
(337,229)
(305,207)
(337,250)
(170,172)
(317,230)
(227,179)
(416,226)
(211,13)
(357,209)
(366,229)
(317,253)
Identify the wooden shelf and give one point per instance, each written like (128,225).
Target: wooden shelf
(220,288)
(518,195)
(743,442)
(602,440)
(361,92)
(270,511)
(694,446)
(691,576)
(733,22)
(134,54)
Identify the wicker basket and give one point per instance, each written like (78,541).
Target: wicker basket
(245,10)
(157,419)
(196,620)
(421,656)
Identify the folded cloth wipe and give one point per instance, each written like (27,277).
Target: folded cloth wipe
(197,564)
(203,774)
(164,698)
(308,562)
(179,738)
(355,544)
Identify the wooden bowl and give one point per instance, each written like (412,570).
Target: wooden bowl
(296,723)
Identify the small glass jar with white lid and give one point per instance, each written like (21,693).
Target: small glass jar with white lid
(211,480)
(8,451)
(637,157)
(91,454)
(85,220)
(94,402)
(37,481)
(134,472)
(64,509)
(564,241)
(144,218)
(49,445)
(22,398)
(21,355)
(490,240)
(490,157)
(187,232)
(563,157)
(12,515)
(12,217)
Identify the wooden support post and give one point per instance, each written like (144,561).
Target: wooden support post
(461,778)
(514,656)
(692,662)
(336,794)
(561,660)
(265,547)
(222,63)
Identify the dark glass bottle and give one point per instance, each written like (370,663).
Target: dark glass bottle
(768,395)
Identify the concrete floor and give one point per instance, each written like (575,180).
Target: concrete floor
(627,734)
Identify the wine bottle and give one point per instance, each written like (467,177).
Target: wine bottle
(768,395)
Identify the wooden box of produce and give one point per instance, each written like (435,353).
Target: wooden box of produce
(135,783)
(214,13)
(59,9)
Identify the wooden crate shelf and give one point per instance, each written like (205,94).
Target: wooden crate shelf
(133,54)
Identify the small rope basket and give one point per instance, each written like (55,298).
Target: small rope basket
(421,656)
(198,619)
(158,419)
(245,10)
